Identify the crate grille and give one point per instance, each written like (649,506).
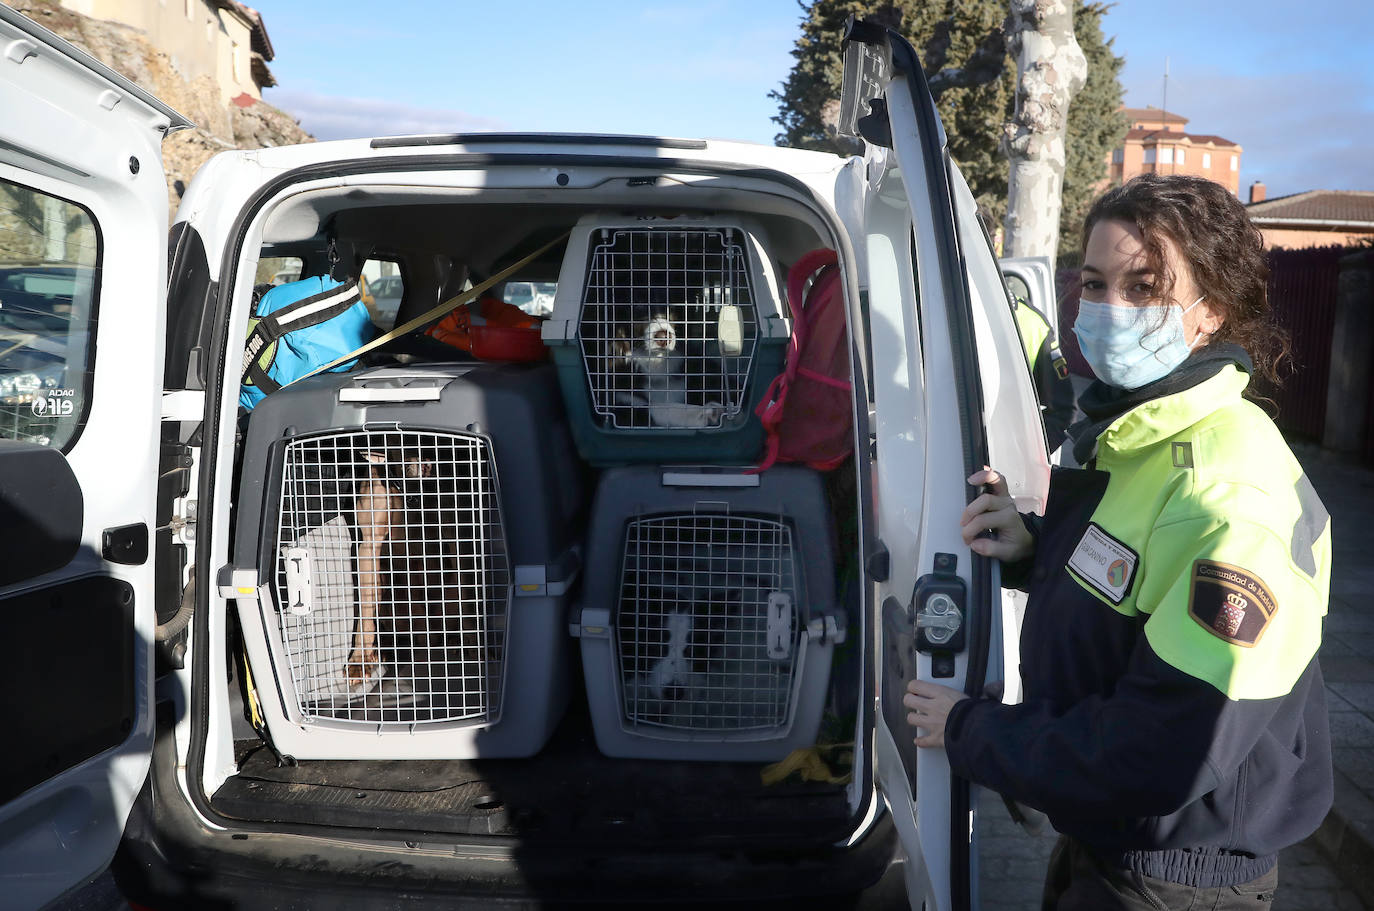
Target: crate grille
(697,646)
(409,523)
(692,371)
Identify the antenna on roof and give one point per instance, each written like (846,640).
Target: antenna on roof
(1164,104)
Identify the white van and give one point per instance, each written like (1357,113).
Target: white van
(168,701)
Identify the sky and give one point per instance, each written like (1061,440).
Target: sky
(1294,89)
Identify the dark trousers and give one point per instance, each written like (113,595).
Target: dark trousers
(1078,881)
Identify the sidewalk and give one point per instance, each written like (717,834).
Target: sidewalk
(1347,658)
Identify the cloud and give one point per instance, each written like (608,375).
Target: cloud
(1300,130)
(337,117)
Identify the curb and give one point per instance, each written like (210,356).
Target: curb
(1346,837)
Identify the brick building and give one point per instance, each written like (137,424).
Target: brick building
(1317,218)
(1157,142)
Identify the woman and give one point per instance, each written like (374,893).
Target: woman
(1174,725)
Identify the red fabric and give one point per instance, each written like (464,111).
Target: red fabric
(808,410)
(491,329)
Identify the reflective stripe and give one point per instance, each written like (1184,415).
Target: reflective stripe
(1309,528)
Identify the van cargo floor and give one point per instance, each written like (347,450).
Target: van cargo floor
(569,792)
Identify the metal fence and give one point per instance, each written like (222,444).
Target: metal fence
(1302,293)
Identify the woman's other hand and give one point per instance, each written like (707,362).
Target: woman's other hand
(995,511)
(929,705)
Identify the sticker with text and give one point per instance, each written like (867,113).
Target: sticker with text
(56,403)
(1104,563)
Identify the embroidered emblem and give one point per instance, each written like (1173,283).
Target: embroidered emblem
(1230,602)
(1104,563)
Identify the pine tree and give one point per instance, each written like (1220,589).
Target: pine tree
(963,51)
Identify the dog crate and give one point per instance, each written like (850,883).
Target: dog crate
(708,615)
(408,539)
(666,332)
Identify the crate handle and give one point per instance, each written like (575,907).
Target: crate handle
(697,479)
(390,393)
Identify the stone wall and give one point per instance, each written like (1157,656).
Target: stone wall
(218,127)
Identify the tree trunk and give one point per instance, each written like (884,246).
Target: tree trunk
(54,230)
(1050,71)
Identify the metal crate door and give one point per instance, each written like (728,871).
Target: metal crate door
(393,581)
(707,627)
(668,327)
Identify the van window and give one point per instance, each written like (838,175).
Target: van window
(1019,289)
(278,270)
(535,298)
(383,287)
(49,274)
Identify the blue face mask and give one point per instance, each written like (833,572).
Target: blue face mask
(1128,347)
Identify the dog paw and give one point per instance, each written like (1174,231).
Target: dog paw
(363,667)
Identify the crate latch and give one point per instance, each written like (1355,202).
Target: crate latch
(779,625)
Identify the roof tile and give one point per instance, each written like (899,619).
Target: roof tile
(1317,205)
(1153,136)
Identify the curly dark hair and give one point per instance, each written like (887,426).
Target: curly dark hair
(1222,247)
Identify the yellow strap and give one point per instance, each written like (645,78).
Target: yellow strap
(812,763)
(254,711)
(435,312)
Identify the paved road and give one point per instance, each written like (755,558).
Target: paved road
(1013,867)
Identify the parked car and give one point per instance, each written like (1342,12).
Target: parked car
(535,298)
(467,631)
(386,291)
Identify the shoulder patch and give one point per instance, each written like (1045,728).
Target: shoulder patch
(1061,365)
(1230,603)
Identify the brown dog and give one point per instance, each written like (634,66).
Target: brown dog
(378,505)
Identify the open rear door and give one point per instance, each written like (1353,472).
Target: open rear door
(83,222)
(1030,279)
(941,356)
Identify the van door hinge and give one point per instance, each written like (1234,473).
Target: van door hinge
(183,521)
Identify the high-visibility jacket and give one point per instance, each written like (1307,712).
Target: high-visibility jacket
(1174,719)
(1049,369)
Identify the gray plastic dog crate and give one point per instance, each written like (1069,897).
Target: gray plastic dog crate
(407,537)
(708,613)
(666,333)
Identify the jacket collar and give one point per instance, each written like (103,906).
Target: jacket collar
(1168,415)
(1103,405)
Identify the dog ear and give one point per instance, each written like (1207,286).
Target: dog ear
(376,457)
(620,345)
